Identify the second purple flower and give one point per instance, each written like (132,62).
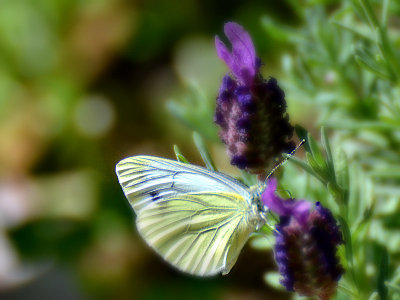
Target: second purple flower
(306,248)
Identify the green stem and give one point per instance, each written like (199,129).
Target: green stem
(349,252)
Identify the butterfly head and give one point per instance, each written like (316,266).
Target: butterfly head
(259,209)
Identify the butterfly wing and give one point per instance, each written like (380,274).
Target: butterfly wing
(147,179)
(199,233)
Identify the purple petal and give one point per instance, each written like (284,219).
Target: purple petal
(224,54)
(301,210)
(242,61)
(239,161)
(272,201)
(219,118)
(244,96)
(243,52)
(244,123)
(228,84)
(291,208)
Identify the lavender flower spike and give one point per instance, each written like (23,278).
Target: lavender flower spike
(306,245)
(250,111)
(242,61)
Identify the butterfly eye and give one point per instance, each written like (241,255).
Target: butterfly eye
(260,206)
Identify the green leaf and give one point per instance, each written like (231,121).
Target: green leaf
(179,155)
(385,10)
(369,13)
(347,239)
(248,179)
(356,31)
(316,152)
(328,151)
(393,173)
(320,170)
(383,274)
(333,190)
(348,247)
(346,291)
(262,242)
(302,134)
(367,60)
(359,10)
(374,296)
(342,170)
(205,155)
(394,287)
(272,279)
(304,166)
(279,32)
(365,125)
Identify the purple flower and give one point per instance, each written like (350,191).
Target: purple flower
(250,111)
(307,238)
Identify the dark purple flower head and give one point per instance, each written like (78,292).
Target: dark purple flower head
(242,60)
(307,238)
(251,111)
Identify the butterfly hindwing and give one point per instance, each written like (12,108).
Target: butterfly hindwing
(147,179)
(199,233)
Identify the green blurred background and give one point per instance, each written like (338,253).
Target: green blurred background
(84,84)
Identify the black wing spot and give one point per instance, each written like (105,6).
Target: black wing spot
(154,196)
(173,178)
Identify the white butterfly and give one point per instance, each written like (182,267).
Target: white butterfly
(198,220)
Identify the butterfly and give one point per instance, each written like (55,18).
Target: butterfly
(196,219)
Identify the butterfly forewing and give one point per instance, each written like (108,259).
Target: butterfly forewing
(199,233)
(147,179)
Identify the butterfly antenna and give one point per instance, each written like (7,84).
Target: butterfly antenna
(284,160)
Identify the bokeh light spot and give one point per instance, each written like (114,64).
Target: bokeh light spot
(94,116)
